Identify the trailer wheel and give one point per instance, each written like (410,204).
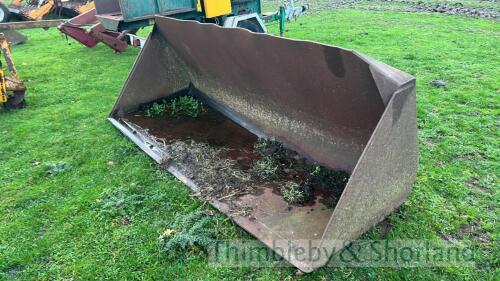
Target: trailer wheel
(251,22)
(4,13)
(250,25)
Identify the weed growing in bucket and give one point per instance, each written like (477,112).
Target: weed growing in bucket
(279,162)
(328,179)
(266,167)
(155,110)
(296,193)
(184,106)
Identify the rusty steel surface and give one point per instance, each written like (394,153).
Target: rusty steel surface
(7,55)
(29,24)
(78,28)
(114,40)
(14,37)
(86,18)
(335,106)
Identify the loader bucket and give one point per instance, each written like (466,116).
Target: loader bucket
(333,106)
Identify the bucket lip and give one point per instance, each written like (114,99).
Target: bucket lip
(152,151)
(401,78)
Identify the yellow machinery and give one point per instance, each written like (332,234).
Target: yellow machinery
(87,7)
(216,8)
(12,89)
(33,10)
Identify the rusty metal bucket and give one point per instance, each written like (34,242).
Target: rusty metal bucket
(332,105)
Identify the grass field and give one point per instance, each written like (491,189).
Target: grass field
(78,201)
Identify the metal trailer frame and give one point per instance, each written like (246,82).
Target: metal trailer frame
(119,15)
(110,26)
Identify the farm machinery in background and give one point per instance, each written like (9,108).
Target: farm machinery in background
(31,14)
(33,10)
(37,10)
(12,89)
(9,29)
(115,22)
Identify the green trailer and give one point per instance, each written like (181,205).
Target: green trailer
(119,15)
(114,22)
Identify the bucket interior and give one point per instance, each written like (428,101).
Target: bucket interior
(325,108)
(261,210)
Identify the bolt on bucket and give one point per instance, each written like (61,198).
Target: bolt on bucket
(321,106)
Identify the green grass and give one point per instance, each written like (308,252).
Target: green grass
(102,215)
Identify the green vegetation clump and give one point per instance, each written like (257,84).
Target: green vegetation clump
(270,148)
(156,109)
(119,203)
(266,167)
(332,181)
(274,155)
(296,193)
(279,162)
(184,106)
(53,169)
(192,233)
(327,178)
